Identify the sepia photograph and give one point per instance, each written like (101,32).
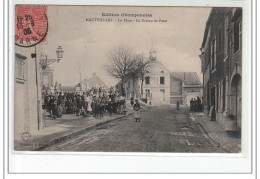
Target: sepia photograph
(127,79)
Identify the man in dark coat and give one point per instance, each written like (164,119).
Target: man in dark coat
(191,104)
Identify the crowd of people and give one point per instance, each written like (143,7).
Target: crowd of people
(95,101)
(196,104)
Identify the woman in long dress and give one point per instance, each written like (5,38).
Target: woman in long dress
(89,101)
(137,111)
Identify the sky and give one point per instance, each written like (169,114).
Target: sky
(87,44)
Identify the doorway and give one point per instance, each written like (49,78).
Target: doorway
(162,95)
(236,99)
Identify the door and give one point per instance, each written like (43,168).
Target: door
(212,102)
(162,95)
(236,100)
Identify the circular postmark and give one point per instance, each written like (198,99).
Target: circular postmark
(31,25)
(26,136)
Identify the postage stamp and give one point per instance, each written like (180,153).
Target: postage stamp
(31,25)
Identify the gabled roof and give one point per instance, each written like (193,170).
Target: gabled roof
(189,78)
(95,80)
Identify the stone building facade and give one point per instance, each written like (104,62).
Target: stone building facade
(157,81)
(162,87)
(25,92)
(221,64)
(156,85)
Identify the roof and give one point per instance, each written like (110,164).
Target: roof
(154,66)
(95,80)
(92,82)
(189,78)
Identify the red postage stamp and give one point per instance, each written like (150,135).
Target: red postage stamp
(31,25)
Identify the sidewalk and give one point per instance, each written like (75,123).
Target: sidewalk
(63,128)
(217,133)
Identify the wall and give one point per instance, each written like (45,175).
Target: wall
(25,98)
(191,92)
(157,70)
(227,66)
(176,90)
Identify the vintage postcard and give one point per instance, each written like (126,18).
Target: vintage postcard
(128,79)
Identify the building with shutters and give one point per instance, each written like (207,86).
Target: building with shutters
(156,85)
(25,93)
(221,64)
(162,87)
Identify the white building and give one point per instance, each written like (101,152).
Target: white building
(25,92)
(156,86)
(162,87)
(157,81)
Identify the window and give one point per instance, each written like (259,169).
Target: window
(226,29)
(162,71)
(224,94)
(217,96)
(237,36)
(19,67)
(213,54)
(219,40)
(207,57)
(162,80)
(147,93)
(147,80)
(240,34)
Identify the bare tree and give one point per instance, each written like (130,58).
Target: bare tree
(124,65)
(120,63)
(142,66)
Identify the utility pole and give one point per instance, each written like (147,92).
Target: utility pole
(38,89)
(79,71)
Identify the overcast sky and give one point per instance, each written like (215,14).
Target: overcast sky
(88,43)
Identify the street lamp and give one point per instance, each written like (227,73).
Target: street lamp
(59,53)
(45,62)
(40,65)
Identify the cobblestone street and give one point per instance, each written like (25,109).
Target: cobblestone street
(162,129)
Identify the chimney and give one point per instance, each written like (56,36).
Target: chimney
(94,75)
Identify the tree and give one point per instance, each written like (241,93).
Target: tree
(120,63)
(142,66)
(124,65)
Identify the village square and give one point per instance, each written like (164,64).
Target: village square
(107,95)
